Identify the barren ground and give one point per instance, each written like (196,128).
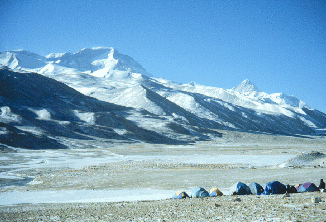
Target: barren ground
(107,166)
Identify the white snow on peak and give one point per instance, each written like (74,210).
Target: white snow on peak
(17,59)
(246,95)
(282,99)
(246,87)
(99,62)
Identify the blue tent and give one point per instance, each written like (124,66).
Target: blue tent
(180,195)
(307,187)
(255,188)
(239,189)
(274,187)
(199,192)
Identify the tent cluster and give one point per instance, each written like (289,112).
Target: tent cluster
(197,193)
(274,187)
(239,188)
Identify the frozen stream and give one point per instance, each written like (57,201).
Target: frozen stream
(82,196)
(55,159)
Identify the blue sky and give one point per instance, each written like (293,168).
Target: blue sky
(279,45)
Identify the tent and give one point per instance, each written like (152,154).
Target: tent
(239,189)
(255,188)
(307,187)
(199,192)
(291,189)
(274,187)
(214,192)
(297,186)
(180,195)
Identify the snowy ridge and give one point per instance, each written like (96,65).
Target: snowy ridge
(21,59)
(100,62)
(185,112)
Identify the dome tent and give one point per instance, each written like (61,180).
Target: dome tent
(199,192)
(274,187)
(214,192)
(297,186)
(291,189)
(239,189)
(307,187)
(180,195)
(255,188)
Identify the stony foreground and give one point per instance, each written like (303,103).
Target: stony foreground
(297,207)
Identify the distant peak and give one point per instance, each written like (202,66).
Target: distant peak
(105,60)
(246,87)
(247,81)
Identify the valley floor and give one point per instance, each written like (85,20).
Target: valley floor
(111,181)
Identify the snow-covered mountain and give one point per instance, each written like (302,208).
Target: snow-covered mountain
(99,62)
(180,112)
(36,110)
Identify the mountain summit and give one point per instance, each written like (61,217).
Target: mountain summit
(150,109)
(99,62)
(246,87)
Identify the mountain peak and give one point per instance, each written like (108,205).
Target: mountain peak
(246,87)
(97,61)
(21,59)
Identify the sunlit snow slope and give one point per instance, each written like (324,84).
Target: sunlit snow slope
(178,111)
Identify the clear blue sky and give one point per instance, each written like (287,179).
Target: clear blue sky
(278,44)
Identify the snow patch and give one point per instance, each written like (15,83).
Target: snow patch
(42,114)
(7,116)
(178,117)
(120,131)
(87,117)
